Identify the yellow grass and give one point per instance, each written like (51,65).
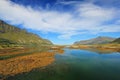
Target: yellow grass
(25,63)
(57,49)
(12,51)
(102,47)
(60,51)
(110,47)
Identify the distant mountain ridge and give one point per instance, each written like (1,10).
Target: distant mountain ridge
(97,40)
(116,41)
(11,34)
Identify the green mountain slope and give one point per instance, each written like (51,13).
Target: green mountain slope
(116,41)
(13,35)
(98,40)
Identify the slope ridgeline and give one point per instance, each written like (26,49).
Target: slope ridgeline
(11,35)
(97,40)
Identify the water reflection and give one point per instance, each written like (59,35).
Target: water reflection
(75,64)
(106,51)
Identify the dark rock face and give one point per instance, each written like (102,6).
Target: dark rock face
(4,27)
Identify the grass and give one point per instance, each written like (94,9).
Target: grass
(16,61)
(11,53)
(16,55)
(100,47)
(25,63)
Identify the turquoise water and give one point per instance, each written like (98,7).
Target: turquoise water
(76,64)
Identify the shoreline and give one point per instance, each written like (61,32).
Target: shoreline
(101,47)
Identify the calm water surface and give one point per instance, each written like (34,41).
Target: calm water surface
(76,64)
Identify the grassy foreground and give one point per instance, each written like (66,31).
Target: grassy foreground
(25,63)
(18,60)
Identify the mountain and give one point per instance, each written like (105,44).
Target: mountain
(116,41)
(98,40)
(13,35)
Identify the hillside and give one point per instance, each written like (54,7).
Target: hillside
(98,40)
(116,41)
(13,35)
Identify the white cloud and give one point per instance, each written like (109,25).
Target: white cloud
(68,2)
(95,12)
(86,18)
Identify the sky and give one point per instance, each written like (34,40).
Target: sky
(64,21)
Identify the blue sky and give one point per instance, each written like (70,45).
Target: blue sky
(64,21)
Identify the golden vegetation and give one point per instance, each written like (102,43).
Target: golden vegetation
(57,49)
(79,47)
(100,47)
(11,51)
(25,63)
(108,47)
(60,51)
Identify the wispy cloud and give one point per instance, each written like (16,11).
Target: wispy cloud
(86,17)
(68,2)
